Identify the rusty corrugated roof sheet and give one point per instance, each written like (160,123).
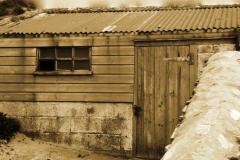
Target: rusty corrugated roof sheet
(162,20)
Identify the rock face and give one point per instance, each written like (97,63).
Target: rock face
(13,7)
(212,122)
(206,51)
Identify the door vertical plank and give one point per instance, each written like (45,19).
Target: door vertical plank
(184,79)
(193,67)
(160,101)
(152,103)
(140,145)
(145,101)
(139,91)
(175,88)
(172,91)
(167,98)
(142,138)
(148,100)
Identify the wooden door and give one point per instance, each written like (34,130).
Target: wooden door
(165,77)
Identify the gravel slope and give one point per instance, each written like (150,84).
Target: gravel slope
(24,148)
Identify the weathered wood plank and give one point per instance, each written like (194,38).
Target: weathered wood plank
(66,97)
(160,100)
(97,69)
(114,41)
(146,101)
(23,61)
(135,129)
(17,52)
(113,69)
(110,79)
(67,88)
(17,61)
(172,91)
(151,78)
(112,60)
(17,69)
(113,50)
(140,102)
(193,68)
(184,79)
(67,41)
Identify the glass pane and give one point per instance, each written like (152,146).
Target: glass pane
(64,52)
(82,52)
(64,65)
(47,53)
(46,65)
(82,65)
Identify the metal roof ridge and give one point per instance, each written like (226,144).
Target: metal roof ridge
(133,9)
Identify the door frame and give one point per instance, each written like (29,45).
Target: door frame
(191,44)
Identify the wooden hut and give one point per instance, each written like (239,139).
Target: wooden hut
(112,80)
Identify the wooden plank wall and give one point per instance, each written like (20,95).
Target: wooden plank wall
(112,79)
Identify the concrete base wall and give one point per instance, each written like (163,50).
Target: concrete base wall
(95,126)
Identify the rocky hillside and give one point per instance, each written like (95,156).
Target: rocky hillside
(15,7)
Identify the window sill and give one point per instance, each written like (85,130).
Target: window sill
(63,73)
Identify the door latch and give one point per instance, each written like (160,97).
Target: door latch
(191,59)
(137,110)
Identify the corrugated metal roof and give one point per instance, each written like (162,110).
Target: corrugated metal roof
(162,20)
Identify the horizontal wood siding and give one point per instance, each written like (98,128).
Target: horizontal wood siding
(113,60)
(66,97)
(97,69)
(96,79)
(67,88)
(112,79)
(18,52)
(68,41)
(116,50)
(18,61)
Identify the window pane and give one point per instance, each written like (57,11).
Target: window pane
(47,53)
(46,65)
(64,52)
(64,65)
(82,65)
(82,52)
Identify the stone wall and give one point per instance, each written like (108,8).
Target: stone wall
(206,51)
(94,126)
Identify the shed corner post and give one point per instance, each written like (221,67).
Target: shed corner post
(135,102)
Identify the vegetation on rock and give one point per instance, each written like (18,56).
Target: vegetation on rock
(181,3)
(15,7)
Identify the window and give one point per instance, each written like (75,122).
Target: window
(64,59)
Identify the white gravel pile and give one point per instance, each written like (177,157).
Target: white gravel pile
(211,128)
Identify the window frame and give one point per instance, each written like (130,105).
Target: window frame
(57,71)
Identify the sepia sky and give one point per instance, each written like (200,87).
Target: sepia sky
(114,3)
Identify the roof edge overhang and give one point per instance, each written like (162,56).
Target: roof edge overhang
(175,35)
